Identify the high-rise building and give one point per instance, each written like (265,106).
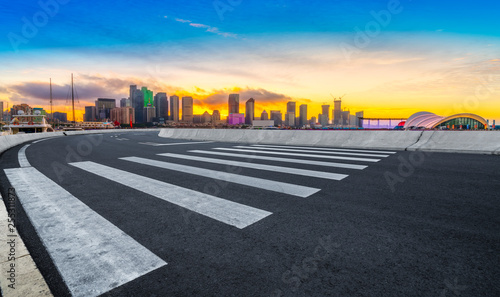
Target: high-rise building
(161,105)
(312,121)
(133,88)
(337,111)
(264,116)
(61,117)
(174,108)
(149,113)
(345,118)
(291,107)
(236,119)
(187,109)
(303,115)
(103,108)
(124,102)
(323,119)
(290,119)
(215,116)
(325,110)
(1,111)
(138,105)
(234,103)
(276,117)
(249,111)
(122,115)
(148,96)
(90,114)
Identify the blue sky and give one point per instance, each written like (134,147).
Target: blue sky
(288,49)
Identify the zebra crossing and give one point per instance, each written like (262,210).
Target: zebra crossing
(94,256)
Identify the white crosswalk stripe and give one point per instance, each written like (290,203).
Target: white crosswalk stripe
(225,211)
(288,170)
(324,148)
(298,154)
(270,185)
(175,143)
(92,255)
(312,151)
(287,160)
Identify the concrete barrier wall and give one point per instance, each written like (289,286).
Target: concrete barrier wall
(482,142)
(396,140)
(9,141)
(477,142)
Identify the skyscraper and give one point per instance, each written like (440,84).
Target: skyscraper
(337,111)
(90,114)
(174,108)
(303,115)
(138,100)
(103,107)
(234,103)
(187,109)
(264,116)
(276,117)
(161,105)
(290,107)
(325,109)
(1,111)
(290,114)
(249,111)
(124,102)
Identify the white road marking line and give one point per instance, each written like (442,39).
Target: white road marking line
(297,161)
(298,155)
(222,210)
(92,255)
(122,139)
(43,139)
(21,157)
(286,170)
(270,185)
(311,151)
(177,143)
(325,148)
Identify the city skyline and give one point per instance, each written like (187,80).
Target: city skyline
(391,58)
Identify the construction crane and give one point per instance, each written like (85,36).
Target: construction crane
(339,98)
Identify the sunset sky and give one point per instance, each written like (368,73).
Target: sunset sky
(390,58)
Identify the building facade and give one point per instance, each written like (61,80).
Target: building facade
(249,111)
(161,105)
(264,116)
(103,108)
(123,115)
(187,109)
(174,108)
(234,103)
(303,115)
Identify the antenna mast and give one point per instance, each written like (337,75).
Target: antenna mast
(73,100)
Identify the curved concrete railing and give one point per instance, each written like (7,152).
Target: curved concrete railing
(8,141)
(478,142)
(353,139)
(481,142)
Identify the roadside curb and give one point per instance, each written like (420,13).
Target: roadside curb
(27,280)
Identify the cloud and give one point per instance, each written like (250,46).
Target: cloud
(210,29)
(182,21)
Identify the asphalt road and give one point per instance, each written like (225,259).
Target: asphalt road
(409,224)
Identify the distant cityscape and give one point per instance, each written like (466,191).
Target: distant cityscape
(143,109)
